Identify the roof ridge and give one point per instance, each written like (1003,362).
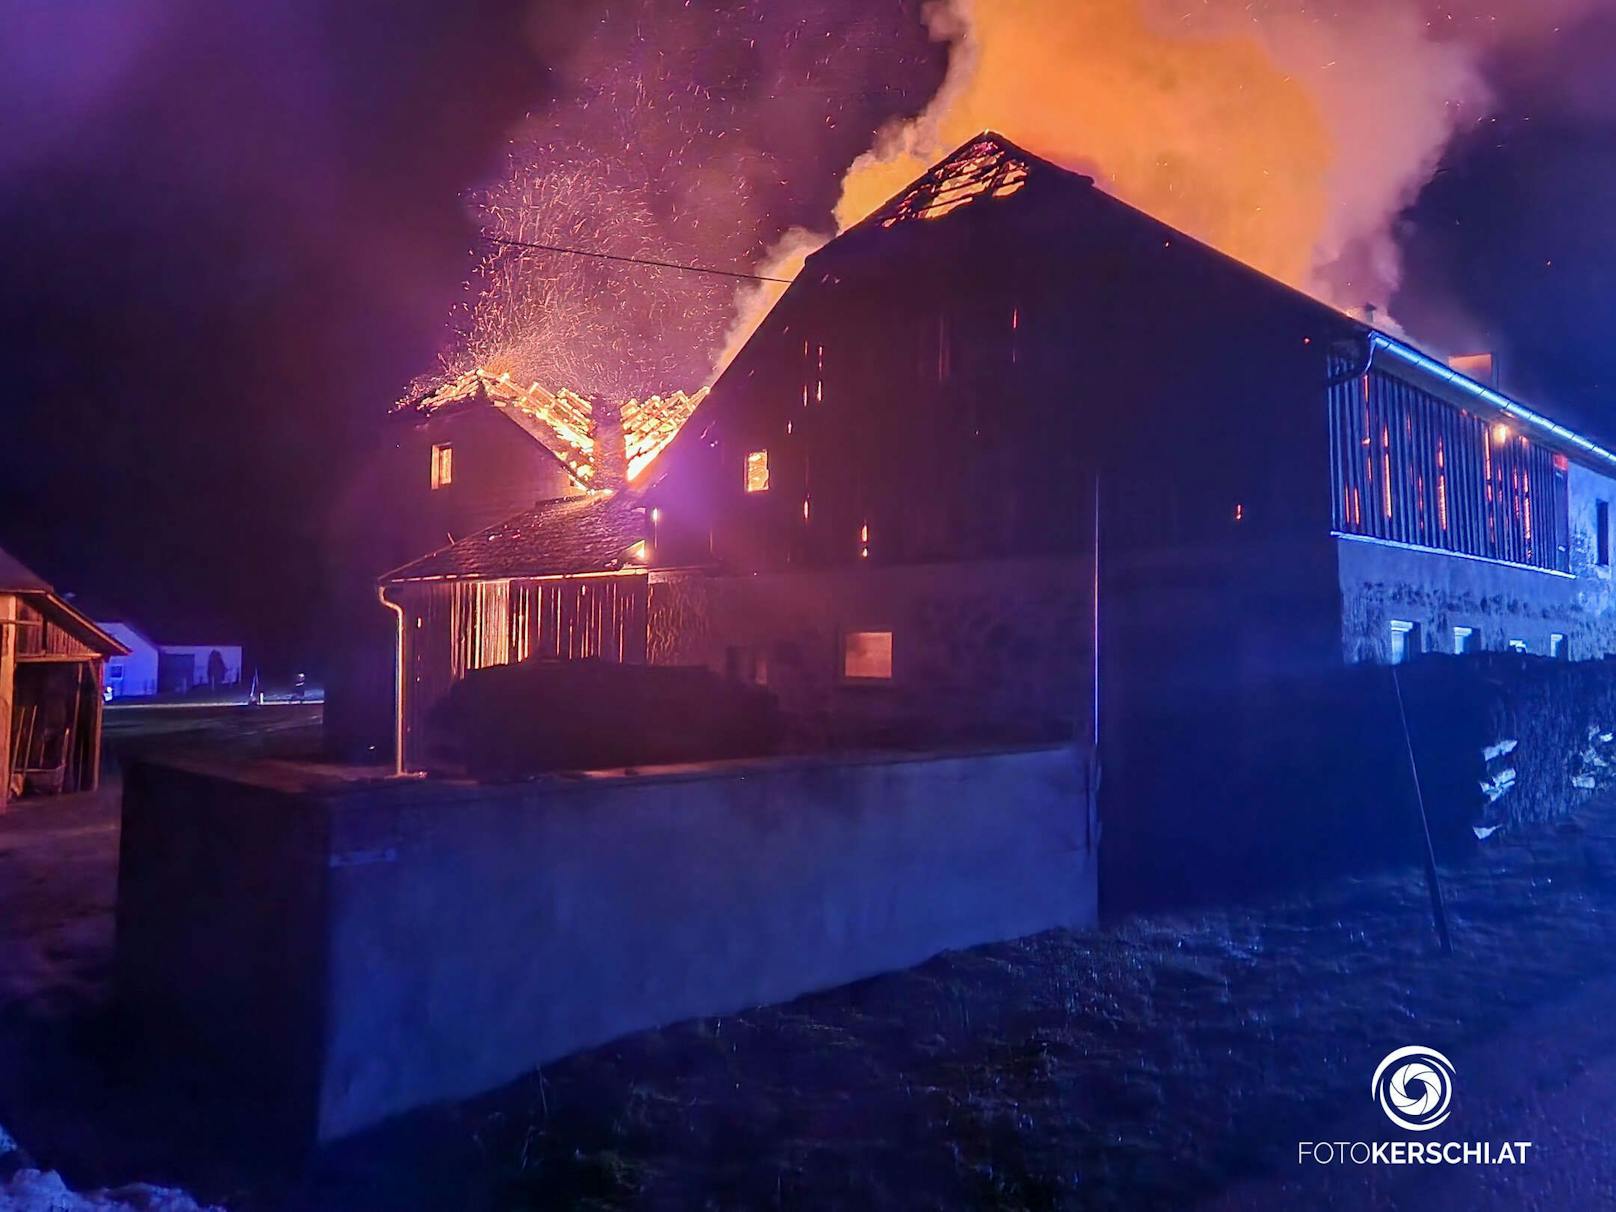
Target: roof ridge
(986,165)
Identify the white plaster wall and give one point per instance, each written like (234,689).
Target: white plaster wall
(139,667)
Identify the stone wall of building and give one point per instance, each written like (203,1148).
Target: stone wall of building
(994,650)
(1438,592)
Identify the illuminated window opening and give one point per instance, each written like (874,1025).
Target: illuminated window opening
(757,471)
(1518,646)
(867,656)
(1464,640)
(1559,650)
(442,465)
(1405,640)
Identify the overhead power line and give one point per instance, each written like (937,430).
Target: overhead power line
(601,256)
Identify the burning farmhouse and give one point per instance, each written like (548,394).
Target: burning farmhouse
(891,506)
(1013,484)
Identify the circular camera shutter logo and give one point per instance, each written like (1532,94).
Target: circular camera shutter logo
(1414,1087)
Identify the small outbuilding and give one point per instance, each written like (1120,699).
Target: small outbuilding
(52,674)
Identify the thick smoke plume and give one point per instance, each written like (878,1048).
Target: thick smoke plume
(1292,134)
(1288,133)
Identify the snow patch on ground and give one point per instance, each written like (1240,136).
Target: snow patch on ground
(44,1191)
(1495,787)
(1498,750)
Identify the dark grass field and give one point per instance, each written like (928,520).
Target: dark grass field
(282,730)
(1164,1062)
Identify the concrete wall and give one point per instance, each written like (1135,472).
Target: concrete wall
(1439,591)
(996,648)
(379,947)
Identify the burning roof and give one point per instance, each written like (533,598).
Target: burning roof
(569,425)
(571,536)
(989,166)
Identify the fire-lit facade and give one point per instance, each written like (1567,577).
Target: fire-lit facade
(477,451)
(961,378)
(1013,460)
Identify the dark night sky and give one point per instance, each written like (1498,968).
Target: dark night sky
(230,233)
(227,234)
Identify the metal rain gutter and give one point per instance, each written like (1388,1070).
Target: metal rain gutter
(1493,399)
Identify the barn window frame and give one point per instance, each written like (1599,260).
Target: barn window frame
(845,651)
(1410,469)
(442,465)
(1405,640)
(755,471)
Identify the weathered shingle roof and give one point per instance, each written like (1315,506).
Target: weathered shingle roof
(555,538)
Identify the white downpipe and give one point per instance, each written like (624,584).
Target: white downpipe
(399,769)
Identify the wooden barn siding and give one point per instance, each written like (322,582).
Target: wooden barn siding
(38,637)
(970,387)
(958,396)
(453,627)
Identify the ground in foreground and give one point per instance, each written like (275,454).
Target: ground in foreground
(1167,1062)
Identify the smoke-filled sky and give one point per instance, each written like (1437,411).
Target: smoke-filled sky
(232,234)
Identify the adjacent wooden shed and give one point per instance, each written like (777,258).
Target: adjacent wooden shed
(52,670)
(565,580)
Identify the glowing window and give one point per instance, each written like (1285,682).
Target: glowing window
(1557,647)
(867,655)
(442,465)
(757,471)
(1464,640)
(1518,646)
